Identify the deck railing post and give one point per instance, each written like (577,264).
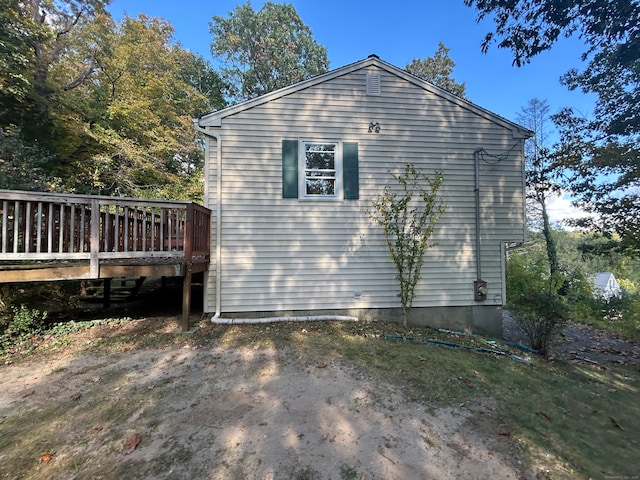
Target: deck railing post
(188,232)
(94,265)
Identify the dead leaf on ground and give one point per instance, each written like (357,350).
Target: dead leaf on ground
(615,424)
(76,396)
(466,382)
(544,416)
(504,434)
(45,458)
(322,365)
(456,446)
(131,444)
(28,393)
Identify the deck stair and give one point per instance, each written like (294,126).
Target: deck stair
(118,290)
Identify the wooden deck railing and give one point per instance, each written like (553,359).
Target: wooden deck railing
(58,227)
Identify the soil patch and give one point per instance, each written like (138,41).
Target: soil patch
(582,343)
(183,411)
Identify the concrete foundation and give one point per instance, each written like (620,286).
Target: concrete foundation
(480,319)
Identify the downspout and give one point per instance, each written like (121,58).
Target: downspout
(196,124)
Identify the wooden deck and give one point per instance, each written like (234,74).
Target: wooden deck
(49,237)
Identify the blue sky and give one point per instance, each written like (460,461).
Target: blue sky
(399,31)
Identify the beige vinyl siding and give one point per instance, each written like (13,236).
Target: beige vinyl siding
(295,254)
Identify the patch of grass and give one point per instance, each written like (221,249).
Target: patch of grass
(348,473)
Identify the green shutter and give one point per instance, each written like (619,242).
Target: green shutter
(350,170)
(289,169)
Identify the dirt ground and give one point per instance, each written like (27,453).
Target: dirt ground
(582,343)
(186,412)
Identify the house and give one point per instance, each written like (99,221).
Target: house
(606,286)
(289,176)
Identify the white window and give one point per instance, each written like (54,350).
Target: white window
(320,164)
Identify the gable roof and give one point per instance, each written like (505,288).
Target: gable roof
(214,119)
(605,281)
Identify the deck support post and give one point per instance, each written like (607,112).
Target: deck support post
(106,293)
(186,298)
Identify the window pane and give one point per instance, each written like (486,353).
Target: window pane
(320,168)
(320,187)
(320,157)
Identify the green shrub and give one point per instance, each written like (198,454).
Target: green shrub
(26,323)
(534,299)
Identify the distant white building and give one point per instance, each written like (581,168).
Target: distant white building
(606,285)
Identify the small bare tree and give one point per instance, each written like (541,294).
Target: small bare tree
(408,213)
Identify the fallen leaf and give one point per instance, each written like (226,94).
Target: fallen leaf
(46,458)
(131,444)
(615,424)
(466,382)
(455,446)
(544,416)
(505,434)
(263,424)
(28,394)
(197,402)
(322,365)
(76,396)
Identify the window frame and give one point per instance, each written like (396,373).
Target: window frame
(302,171)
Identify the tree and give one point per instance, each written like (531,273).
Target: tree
(602,153)
(408,217)
(133,132)
(64,48)
(18,36)
(437,70)
(540,173)
(265,50)
(22,165)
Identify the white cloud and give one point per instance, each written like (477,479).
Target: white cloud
(559,208)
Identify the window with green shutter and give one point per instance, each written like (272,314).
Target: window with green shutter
(322,170)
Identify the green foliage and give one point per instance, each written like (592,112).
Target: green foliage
(26,323)
(23,165)
(265,50)
(600,153)
(17,37)
(437,70)
(580,256)
(136,137)
(533,298)
(408,217)
(105,107)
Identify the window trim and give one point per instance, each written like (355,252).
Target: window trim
(338,167)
